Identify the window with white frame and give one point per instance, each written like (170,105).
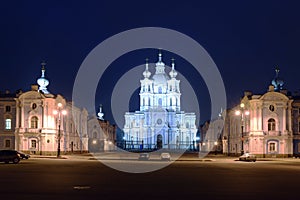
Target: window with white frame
(33,143)
(8,124)
(272,147)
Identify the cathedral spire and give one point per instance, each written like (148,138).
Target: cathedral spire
(173,72)
(147,73)
(160,65)
(159,56)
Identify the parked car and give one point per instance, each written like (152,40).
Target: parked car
(248,157)
(9,156)
(296,155)
(165,156)
(144,156)
(23,155)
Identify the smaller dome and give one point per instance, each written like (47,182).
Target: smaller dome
(147,73)
(173,72)
(43,82)
(277,82)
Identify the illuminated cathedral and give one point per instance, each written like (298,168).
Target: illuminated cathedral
(160,123)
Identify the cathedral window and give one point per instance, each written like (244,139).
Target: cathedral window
(187,125)
(160,102)
(170,102)
(7,124)
(34,122)
(159,90)
(271,124)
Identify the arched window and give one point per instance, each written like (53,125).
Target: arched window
(148,101)
(187,125)
(34,122)
(143,101)
(271,124)
(159,90)
(170,101)
(7,124)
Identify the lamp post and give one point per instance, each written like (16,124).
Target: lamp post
(60,111)
(241,113)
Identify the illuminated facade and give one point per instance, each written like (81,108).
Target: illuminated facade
(159,123)
(37,126)
(271,126)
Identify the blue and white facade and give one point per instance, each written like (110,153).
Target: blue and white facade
(160,123)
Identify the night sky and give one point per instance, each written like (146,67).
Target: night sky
(246,40)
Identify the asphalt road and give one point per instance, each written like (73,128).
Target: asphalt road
(44,178)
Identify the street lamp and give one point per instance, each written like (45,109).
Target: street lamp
(241,113)
(59,112)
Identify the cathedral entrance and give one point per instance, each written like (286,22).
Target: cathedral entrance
(159,141)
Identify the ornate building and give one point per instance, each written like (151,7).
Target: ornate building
(102,134)
(159,123)
(7,120)
(40,125)
(266,124)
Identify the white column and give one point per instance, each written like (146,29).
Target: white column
(260,117)
(22,115)
(255,118)
(290,116)
(17,115)
(284,118)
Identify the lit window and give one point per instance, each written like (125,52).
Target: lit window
(271,124)
(7,143)
(7,124)
(34,122)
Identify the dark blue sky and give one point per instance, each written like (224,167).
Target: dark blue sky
(246,40)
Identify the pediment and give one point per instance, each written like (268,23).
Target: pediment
(274,96)
(31,95)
